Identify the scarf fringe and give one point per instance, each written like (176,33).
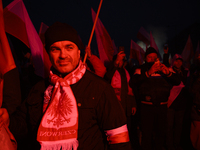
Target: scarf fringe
(65,146)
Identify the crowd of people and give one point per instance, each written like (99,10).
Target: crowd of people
(85,105)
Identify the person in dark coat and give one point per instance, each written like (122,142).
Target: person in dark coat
(74,109)
(195,110)
(153,81)
(119,78)
(178,103)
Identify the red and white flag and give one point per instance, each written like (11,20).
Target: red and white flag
(43,28)
(18,24)
(143,36)
(153,44)
(136,52)
(47,62)
(7,63)
(104,42)
(115,48)
(187,53)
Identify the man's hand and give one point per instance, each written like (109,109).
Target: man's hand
(4,117)
(88,51)
(154,68)
(120,57)
(164,69)
(133,110)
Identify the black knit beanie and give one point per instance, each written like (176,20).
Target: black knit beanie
(150,50)
(61,32)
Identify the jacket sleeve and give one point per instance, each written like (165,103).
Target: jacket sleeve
(110,72)
(112,120)
(18,125)
(173,79)
(130,98)
(27,117)
(98,65)
(135,81)
(137,78)
(11,91)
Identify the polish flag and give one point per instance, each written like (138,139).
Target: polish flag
(115,48)
(187,53)
(104,42)
(153,44)
(43,28)
(18,24)
(47,62)
(136,52)
(143,36)
(7,63)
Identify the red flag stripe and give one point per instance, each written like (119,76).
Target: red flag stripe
(136,52)
(144,36)
(19,25)
(153,44)
(104,41)
(18,29)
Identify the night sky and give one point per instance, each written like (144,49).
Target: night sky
(121,18)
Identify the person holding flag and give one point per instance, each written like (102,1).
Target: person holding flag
(119,78)
(73,109)
(94,64)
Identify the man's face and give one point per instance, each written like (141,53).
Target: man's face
(64,56)
(151,57)
(178,63)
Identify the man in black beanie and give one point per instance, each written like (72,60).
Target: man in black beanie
(73,109)
(151,84)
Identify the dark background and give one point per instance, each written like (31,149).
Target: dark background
(166,19)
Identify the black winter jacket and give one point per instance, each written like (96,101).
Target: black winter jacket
(98,110)
(153,89)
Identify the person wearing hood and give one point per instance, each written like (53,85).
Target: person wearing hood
(153,81)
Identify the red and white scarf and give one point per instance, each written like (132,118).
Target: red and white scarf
(59,125)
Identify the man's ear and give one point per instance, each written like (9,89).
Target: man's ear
(79,52)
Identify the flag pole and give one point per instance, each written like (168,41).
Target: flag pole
(95,21)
